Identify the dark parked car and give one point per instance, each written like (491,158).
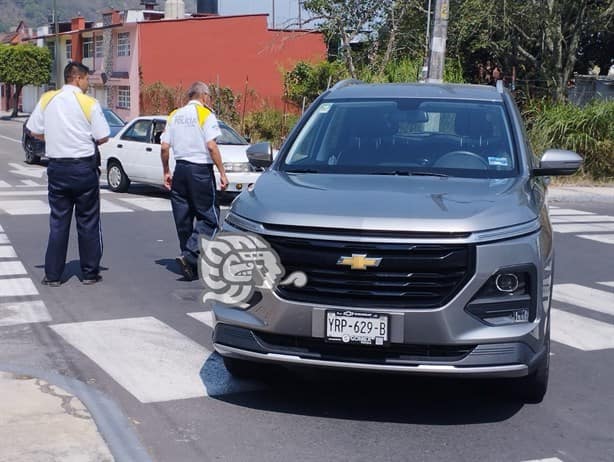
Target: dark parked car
(35,149)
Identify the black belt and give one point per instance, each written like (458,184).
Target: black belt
(187,162)
(72,160)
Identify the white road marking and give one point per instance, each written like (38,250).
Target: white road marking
(585,297)
(4,239)
(23,313)
(17,287)
(569,212)
(206,317)
(6,251)
(582,219)
(550,459)
(12,268)
(34,172)
(29,183)
(25,207)
(10,139)
(37,192)
(603,238)
(153,204)
(609,283)
(1,230)
(580,332)
(4,184)
(148,358)
(111,207)
(583,228)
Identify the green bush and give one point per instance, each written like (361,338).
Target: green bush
(588,130)
(269,125)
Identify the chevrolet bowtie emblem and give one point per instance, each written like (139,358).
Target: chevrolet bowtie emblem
(359,262)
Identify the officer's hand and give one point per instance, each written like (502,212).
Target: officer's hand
(168,181)
(223,182)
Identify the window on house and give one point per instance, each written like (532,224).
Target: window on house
(68,49)
(107,19)
(123,97)
(98,46)
(88,47)
(123,44)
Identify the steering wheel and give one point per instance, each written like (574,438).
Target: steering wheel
(457,156)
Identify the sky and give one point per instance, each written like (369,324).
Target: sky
(286,11)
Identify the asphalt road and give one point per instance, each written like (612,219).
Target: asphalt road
(141,338)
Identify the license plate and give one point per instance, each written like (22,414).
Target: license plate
(354,327)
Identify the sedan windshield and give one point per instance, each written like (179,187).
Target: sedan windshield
(229,136)
(413,137)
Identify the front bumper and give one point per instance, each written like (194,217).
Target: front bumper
(238,181)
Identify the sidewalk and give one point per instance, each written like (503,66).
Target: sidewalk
(581,194)
(6,116)
(41,422)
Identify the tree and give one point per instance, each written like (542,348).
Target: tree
(22,65)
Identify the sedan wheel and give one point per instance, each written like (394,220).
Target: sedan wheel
(31,158)
(116,177)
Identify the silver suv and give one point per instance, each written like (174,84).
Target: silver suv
(419,215)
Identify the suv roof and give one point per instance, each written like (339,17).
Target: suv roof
(352,89)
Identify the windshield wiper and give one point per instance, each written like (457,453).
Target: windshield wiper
(410,173)
(302,170)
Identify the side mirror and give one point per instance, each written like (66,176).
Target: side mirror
(558,162)
(260,155)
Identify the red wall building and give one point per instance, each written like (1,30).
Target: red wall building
(227,50)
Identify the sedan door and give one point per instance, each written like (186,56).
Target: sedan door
(132,148)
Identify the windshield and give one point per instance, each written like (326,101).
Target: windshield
(229,136)
(405,137)
(112,118)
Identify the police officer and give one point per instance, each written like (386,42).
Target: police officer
(70,122)
(191,132)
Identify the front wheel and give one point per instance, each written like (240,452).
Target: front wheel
(117,178)
(31,158)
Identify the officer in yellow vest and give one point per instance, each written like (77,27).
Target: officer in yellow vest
(191,132)
(70,122)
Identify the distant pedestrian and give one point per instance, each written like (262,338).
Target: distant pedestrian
(72,125)
(191,132)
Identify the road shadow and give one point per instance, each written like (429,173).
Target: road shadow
(71,269)
(357,396)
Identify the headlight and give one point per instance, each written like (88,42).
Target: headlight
(237,167)
(508,297)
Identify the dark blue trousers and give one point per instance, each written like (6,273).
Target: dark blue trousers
(73,185)
(195,210)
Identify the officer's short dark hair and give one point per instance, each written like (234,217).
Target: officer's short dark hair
(73,70)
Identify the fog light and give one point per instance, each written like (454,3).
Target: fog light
(240,186)
(507,282)
(250,187)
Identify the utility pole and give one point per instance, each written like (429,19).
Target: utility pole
(437,52)
(58,70)
(273,15)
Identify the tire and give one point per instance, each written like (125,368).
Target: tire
(116,177)
(242,369)
(31,158)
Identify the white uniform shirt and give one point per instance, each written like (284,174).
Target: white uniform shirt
(187,138)
(67,131)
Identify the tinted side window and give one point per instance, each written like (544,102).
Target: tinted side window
(139,131)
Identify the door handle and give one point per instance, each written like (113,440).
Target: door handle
(120,145)
(148,149)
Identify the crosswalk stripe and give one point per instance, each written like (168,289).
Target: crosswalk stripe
(6,251)
(4,184)
(609,283)
(568,212)
(4,239)
(111,207)
(1,229)
(582,219)
(584,297)
(12,268)
(28,183)
(583,227)
(17,287)
(25,207)
(603,238)
(550,459)
(23,313)
(206,317)
(147,357)
(580,332)
(153,204)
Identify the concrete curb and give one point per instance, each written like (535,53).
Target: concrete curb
(111,423)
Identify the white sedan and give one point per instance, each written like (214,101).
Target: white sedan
(134,155)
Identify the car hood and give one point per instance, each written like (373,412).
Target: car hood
(233,152)
(390,203)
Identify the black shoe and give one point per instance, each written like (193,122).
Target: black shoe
(47,282)
(91,280)
(187,269)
